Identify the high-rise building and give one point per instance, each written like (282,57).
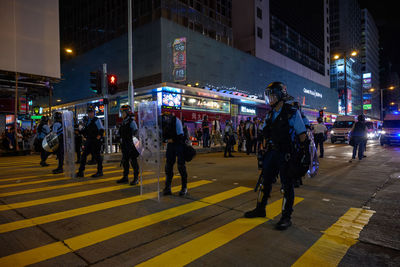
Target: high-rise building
(293,35)
(85,25)
(370,64)
(345,37)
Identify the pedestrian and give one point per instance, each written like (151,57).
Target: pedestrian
(173,135)
(358,135)
(216,132)
(127,131)
(42,130)
(199,135)
(206,131)
(229,139)
(58,129)
(93,131)
(248,126)
(320,132)
(282,124)
(241,135)
(254,134)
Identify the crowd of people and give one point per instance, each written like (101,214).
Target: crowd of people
(9,140)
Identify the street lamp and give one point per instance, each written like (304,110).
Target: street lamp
(389,88)
(69,50)
(336,57)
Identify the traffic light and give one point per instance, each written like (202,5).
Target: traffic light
(95,82)
(112,84)
(321,113)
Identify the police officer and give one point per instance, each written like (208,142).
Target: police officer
(93,132)
(58,129)
(42,130)
(320,131)
(78,141)
(283,126)
(127,131)
(172,133)
(306,122)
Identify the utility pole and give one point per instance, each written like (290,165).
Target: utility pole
(381,104)
(104,84)
(16,112)
(345,84)
(131,95)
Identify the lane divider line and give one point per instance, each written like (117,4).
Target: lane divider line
(332,246)
(204,244)
(47,200)
(12,226)
(55,249)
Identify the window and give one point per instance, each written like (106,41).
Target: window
(259,13)
(259,33)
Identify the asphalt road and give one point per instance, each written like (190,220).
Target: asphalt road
(348,215)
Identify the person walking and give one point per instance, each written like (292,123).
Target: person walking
(358,134)
(206,131)
(229,139)
(241,135)
(320,132)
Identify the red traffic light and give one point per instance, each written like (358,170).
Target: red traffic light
(112,79)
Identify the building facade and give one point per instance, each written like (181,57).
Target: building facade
(345,37)
(370,64)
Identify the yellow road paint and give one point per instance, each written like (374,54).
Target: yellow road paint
(198,247)
(55,249)
(48,200)
(46,180)
(7,227)
(48,188)
(47,175)
(336,240)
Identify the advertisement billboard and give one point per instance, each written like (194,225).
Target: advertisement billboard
(179,59)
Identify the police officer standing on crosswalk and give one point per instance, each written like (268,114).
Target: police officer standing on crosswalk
(284,142)
(127,131)
(172,133)
(93,131)
(58,129)
(42,130)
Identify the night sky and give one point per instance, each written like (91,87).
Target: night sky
(387,18)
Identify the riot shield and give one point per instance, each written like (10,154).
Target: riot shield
(69,143)
(150,157)
(314,163)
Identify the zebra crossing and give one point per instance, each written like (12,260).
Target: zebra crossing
(91,221)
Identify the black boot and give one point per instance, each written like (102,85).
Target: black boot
(79,174)
(97,174)
(167,191)
(44,164)
(135,181)
(259,211)
(58,170)
(284,223)
(183,192)
(123,180)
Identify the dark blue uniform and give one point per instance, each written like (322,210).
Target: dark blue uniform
(43,130)
(58,129)
(129,153)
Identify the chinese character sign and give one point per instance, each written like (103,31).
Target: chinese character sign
(179,59)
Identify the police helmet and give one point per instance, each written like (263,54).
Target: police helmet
(57,116)
(275,92)
(319,120)
(91,109)
(44,119)
(126,108)
(361,118)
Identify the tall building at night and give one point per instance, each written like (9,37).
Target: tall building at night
(370,64)
(345,37)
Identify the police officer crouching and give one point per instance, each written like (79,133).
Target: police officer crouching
(172,133)
(58,129)
(127,131)
(284,142)
(93,131)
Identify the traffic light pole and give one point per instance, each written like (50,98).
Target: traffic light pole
(104,84)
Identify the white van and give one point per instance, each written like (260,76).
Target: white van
(341,128)
(390,130)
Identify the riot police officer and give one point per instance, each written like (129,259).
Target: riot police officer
(127,131)
(58,129)
(284,141)
(93,131)
(42,130)
(172,133)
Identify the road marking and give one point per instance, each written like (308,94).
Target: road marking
(336,240)
(47,175)
(48,200)
(200,246)
(55,249)
(12,226)
(48,188)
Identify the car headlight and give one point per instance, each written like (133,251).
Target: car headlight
(383,132)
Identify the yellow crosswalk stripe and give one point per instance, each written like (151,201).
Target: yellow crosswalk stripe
(47,175)
(55,249)
(336,240)
(48,200)
(46,180)
(198,247)
(48,188)
(12,226)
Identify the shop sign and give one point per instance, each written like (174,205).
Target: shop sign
(312,92)
(247,111)
(179,59)
(366,81)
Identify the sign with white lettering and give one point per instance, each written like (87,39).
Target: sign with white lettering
(312,92)
(247,111)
